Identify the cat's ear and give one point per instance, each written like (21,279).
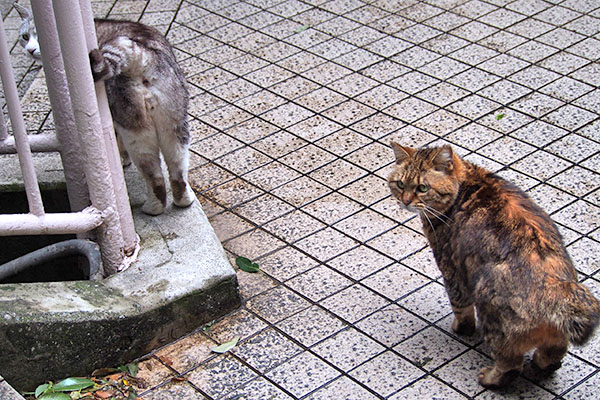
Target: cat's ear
(443,160)
(402,152)
(23,11)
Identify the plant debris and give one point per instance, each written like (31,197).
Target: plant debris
(104,384)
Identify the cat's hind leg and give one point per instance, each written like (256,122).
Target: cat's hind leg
(551,350)
(142,147)
(176,155)
(464,320)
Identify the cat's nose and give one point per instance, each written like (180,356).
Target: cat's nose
(31,51)
(407,198)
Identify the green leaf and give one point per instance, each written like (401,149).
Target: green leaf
(301,28)
(226,346)
(71,384)
(246,265)
(55,396)
(41,389)
(208,325)
(132,369)
(500,116)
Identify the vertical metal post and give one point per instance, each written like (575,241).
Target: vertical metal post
(32,188)
(87,118)
(3,131)
(58,92)
(114,160)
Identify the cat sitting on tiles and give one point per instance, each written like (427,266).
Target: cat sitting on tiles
(148,100)
(499,254)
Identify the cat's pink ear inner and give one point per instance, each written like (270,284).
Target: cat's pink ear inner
(444,159)
(402,152)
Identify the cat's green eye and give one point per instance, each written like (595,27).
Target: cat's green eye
(400,184)
(423,188)
(25,36)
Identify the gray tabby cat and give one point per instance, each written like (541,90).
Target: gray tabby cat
(148,100)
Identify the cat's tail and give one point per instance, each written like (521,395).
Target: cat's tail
(578,311)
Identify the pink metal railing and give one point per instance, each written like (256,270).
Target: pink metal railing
(84,137)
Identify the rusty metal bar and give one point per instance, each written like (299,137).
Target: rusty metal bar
(32,188)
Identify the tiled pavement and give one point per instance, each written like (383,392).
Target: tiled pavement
(294,105)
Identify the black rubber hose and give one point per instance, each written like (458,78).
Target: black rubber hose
(71,247)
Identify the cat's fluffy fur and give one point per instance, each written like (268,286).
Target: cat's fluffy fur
(148,99)
(499,253)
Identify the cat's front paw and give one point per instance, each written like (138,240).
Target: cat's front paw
(153,207)
(186,199)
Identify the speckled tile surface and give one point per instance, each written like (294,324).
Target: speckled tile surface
(294,105)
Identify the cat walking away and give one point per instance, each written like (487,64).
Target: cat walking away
(499,254)
(148,98)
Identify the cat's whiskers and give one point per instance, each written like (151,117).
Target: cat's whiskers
(430,224)
(438,215)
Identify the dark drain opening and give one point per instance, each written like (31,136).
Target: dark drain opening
(68,268)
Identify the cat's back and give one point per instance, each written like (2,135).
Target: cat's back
(109,30)
(508,226)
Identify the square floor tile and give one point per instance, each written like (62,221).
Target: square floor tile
(395,281)
(311,325)
(332,208)
(541,165)
(359,262)
(462,372)
(263,209)
(386,373)
(315,128)
(580,216)
(577,181)
(271,176)
(301,191)
(354,303)
(348,349)
(426,388)
(430,348)
(574,148)
(326,244)
(287,303)
(539,133)
(319,283)
(349,112)
(286,263)
(584,254)
(431,302)
(266,350)
(220,376)
(307,158)
(365,225)
(391,325)
(343,388)
(367,190)
(294,226)
(302,374)
(258,388)
(240,323)
(343,142)
(399,242)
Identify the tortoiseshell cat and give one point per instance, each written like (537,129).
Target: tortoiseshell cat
(148,98)
(499,253)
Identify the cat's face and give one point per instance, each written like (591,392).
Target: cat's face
(424,180)
(28,38)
